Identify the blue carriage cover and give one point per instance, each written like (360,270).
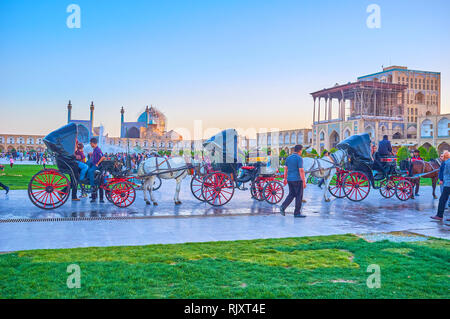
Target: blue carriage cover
(357,146)
(62,143)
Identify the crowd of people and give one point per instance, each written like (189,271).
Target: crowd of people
(15,156)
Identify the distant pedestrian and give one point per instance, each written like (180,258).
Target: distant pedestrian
(11,162)
(294,177)
(445,182)
(6,188)
(44,161)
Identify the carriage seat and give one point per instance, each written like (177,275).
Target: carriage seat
(388,159)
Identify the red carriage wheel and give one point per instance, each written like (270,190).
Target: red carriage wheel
(387,188)
(107,188)
(273,192)
(336,187)
(257,189)
(196,187)
(356,186)
(217,189)
(404,190)
(122,194)
(49,189)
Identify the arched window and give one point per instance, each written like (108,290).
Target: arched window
(443,127)
(419,99)
(322,136)
(133,132)
(397,136)
(2,140)
(293,138)
(10,140)
(426,129)
(347,133)
(286,139)
(300,138)
(411,132)
(269,140)
(30,141)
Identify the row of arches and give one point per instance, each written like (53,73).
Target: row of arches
(21,148)
(283,139)
(144,144)
(443,128)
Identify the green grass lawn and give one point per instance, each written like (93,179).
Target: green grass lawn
(308,267)
(19,176)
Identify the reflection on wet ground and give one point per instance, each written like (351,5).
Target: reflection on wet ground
(241,218)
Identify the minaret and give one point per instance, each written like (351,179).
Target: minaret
(122,111)
(69,112)
(92,113)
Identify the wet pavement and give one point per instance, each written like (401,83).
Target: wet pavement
(82,224)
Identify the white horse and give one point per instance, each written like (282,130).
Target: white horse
(166,168)
(324,168)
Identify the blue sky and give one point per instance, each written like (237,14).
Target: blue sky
(229,63)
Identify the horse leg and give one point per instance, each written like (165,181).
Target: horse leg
(151,180)
(176,198)
(144,189)
(417,187)
(434,183)
(327,184)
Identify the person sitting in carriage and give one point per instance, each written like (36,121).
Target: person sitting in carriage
(384,150)
(385,147)
(416,156)
(93,163)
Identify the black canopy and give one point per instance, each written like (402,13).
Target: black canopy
(62,141)
(357,146)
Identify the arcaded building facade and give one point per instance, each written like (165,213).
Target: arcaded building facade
(285,140)
(393,102)
(21,143)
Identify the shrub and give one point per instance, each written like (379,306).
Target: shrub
(432,153)
(402,154)
(423,153)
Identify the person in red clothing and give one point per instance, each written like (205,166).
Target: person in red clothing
(416,156)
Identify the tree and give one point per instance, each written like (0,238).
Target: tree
(402,154)
(333,150)
(423,153)
(282,154)
(180,152)
(432,153)
(323,153)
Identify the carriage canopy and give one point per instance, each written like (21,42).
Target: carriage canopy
(223,147)
(63,140)
(357,146)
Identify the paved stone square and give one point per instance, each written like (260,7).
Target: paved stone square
(82,224)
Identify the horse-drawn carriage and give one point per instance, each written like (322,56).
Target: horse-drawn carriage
(215,183)
(50,188)
(361,172)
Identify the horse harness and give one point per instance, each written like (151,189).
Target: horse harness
(424,163)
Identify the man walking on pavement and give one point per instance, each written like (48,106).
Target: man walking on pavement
(294,177)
